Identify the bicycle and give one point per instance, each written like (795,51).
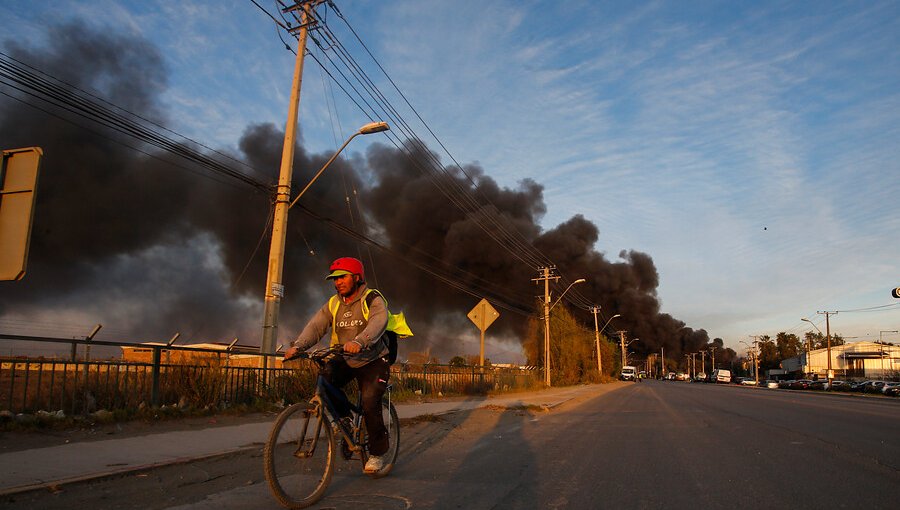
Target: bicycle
(299,455)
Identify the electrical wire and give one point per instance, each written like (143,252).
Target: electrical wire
(68,98)
(508,238)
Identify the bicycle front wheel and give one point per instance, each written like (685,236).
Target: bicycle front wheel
(299,456)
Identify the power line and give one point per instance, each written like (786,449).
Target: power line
(64,96)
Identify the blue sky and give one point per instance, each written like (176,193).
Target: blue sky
(750,148)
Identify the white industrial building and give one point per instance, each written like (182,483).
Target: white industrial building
(858,360)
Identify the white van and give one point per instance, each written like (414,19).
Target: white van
(629,373)
(722,376)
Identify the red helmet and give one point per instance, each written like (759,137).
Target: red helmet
(346,265)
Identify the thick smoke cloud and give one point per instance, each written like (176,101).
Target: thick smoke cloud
(149,247)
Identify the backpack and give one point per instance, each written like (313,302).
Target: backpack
(396,325)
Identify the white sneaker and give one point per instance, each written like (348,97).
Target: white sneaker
(374,464)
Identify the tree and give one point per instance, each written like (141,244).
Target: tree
(458,361)
(572,348)
(788,345)
(768,353)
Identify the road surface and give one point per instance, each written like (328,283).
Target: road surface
(646,445)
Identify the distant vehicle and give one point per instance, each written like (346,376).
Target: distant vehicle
(681,376)
(671,376)
(837,385)
(701,377)
(772,384)
(748,381)
(642,374)
(629,373)
(722,376)
(887,386)
(875,387)
(821,384)
(892,391)
(801,384)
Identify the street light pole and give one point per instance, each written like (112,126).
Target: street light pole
(274,286)
(829,375)
(881,345)
(597,330)
(809,348)
(276,253)
(547,307)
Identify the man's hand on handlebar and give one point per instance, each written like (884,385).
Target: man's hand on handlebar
(291,353)
(352,347)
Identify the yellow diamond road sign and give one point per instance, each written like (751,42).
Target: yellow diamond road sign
(483,315)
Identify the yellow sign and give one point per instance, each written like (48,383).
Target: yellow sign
(18,179)
(483,315)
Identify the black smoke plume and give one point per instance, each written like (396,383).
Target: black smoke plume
(150,245)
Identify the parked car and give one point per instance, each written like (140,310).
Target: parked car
(860,386)
(821,384)
(701,377)
(785,383)
(874,386)
(892,391)
(837,385)
(721,375)
(747,381)
(771,384)
(888,386)
(800,384)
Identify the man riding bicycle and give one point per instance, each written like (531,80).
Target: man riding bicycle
(358,318)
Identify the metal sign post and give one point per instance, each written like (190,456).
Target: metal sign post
(483,315)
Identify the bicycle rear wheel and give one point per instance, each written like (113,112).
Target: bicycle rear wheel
(299,456)
(392,423)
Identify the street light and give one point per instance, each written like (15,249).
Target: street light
(597,337)
(368,129)
(881,344)
(755,360)
(274,286)
(547,308)
(809,348)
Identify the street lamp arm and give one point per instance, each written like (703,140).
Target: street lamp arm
(610,320)
(813,325)
(372,127)
(580,280)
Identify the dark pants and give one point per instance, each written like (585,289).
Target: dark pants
(372,380)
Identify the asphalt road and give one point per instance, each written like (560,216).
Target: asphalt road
(645,445)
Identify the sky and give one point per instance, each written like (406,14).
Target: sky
(750,148)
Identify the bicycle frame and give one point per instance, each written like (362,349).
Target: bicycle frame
(326,395)
(299,462)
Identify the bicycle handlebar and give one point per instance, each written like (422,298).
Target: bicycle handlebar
(319,355)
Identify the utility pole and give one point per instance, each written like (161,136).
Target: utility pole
(274,278)
(755,357)
(546,277)
(712,358)
(703,361)
(595,310)
(622,343)
(662,362)
(881,346)
(829,375)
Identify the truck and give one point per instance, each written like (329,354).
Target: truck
(721,376)
(629,373)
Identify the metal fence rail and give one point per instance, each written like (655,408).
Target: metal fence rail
(29,385)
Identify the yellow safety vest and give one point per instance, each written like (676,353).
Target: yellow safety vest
(396,322)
